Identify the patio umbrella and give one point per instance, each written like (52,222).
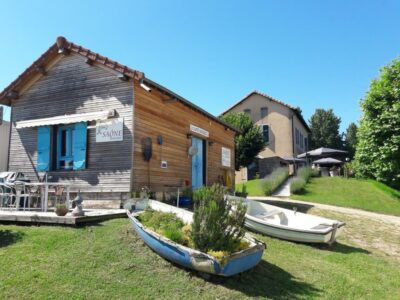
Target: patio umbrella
(327,161)
(322,152)
(294,159)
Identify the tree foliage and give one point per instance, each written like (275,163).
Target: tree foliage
(350,139)
(378,148)
(324,125)
(249,142)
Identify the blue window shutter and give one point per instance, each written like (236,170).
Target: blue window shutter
(79,146)
(43,149)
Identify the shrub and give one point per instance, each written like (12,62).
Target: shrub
(216,227)
(271,182)
(167,224)
(306,173)
(297,185)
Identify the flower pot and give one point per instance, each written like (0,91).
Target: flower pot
(61,211)
(185,201)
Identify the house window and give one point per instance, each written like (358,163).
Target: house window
(265,133)
(65,151)
(301,140)
(297,136)
(247,111)
(264,112)
(306,143)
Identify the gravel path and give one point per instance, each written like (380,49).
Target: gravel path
(345,210)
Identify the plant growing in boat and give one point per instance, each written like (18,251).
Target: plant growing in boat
(218,224)
(217,228)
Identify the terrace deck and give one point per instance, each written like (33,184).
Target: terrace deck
(35,217)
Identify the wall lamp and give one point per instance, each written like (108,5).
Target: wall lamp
(147,88)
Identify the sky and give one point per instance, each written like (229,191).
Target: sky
(311,54)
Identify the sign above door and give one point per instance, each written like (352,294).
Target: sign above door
(199,130)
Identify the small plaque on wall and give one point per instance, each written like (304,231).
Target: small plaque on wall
(226,157)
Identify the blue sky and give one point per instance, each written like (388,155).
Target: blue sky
(312,54)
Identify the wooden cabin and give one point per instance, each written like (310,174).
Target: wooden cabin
(81,118)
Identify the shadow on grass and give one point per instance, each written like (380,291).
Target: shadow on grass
(340,248)
(8,237)
(269,280)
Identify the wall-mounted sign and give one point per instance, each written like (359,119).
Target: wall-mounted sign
(110,130)
(226,157)
(199,130)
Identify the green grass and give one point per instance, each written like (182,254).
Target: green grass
(109,261)
(355,193)
(253,187)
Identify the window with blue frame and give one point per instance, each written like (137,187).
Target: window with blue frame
(62,147)
(65,150)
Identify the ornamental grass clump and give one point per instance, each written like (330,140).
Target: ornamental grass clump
(271,182)
(303,176)
(218,223)
(297,185)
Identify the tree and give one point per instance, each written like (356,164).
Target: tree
(378,147)
(249,142)
(350,139)
(324,127)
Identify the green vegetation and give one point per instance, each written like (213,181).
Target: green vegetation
(249,142)
(303,176)
(166,224)
(272,181)
(251,188)
(216,227)
(109,261)
(324,125)
(378,147)
(356,193)
(297,185)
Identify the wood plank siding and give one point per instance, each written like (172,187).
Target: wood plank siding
(171,120)
(71,86)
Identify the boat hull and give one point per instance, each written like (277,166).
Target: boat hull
(291,225)
(189,258)
(293,235)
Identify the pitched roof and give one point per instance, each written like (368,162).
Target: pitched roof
(296,110)
(62,46)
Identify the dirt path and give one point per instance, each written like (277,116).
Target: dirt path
(345,210)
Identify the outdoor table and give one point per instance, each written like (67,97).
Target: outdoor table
(44,191)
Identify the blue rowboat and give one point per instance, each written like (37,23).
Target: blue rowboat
(193,259)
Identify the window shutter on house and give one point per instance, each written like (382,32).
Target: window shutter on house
(79,144)
(43,149)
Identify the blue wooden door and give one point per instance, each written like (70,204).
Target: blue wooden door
(197,163)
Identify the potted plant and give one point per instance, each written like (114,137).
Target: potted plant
(186,198)
(61,209)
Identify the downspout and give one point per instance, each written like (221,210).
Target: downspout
(9,137)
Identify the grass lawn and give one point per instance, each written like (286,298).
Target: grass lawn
(253,187)
(356,193)
(109,261)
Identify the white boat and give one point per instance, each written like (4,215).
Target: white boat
(291,225)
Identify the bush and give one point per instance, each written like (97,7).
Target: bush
(297,185)
(166,224)
(306,173)
(216,227)
(271,182)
